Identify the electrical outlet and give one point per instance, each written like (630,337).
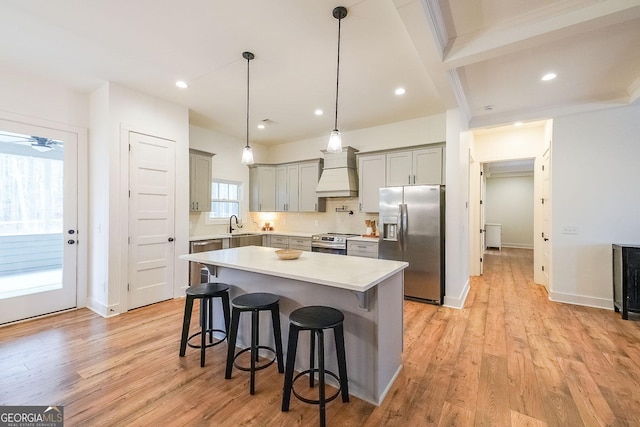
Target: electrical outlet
(570,229)
(315,222)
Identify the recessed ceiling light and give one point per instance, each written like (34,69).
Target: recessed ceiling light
(318,112)
(261,126)
(549,76)
(182,84)
(400,91)
(517,124)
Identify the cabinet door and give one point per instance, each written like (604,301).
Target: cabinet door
(292,188)
(399,169)
(262,189)
(199,183)
(309,176)
(427,166)
(371,174)
(268,189)
(281,188)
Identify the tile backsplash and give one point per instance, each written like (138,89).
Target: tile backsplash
(312,222)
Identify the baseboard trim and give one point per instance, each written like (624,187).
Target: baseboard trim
(603,303)
(458,302)
(101,309)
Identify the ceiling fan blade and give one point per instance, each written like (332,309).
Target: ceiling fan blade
(17,137)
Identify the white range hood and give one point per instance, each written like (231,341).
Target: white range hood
(339,175)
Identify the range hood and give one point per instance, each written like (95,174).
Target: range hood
(339,176)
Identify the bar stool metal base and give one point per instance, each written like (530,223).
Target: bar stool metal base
(257,367)
(205,292)
(254,303)
(315,319)
(314,401)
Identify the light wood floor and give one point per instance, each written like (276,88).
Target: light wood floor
(509,358)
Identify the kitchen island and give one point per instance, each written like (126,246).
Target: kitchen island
(368,291)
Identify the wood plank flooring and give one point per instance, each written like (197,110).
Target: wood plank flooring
(509,358)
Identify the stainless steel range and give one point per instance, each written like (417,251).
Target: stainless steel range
(330,243)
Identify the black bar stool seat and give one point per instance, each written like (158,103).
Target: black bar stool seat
(205,292)
(316,319)
(254,303)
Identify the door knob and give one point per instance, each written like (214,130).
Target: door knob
(71,241)
(171,239)
(71,231)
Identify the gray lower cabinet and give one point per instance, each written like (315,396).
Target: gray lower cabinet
(362,249)
(247,240)
(290,242)
(277,241)
(301,243)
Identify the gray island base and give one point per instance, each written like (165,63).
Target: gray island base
(368,291)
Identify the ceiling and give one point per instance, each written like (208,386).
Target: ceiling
(484,56)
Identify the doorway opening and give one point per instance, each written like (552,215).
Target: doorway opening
(508,204)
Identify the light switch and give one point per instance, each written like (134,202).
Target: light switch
(569,229)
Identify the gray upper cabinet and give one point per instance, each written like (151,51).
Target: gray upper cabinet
(371,177)
(262,188)
(287,188)
(414,167)
(200,164)
(309,176)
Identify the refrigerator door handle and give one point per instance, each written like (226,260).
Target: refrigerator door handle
(404,221)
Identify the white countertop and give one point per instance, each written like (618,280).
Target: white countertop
(339,271)
(227,235)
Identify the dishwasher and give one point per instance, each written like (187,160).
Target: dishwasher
(198,273)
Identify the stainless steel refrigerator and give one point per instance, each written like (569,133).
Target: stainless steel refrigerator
(412,230)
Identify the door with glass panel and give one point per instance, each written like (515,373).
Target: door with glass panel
(38,220)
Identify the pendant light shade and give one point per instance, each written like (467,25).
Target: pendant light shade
(335,139)
(247,153)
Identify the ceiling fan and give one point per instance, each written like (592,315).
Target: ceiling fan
(38,143)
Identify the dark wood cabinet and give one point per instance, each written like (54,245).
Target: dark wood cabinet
(626,279)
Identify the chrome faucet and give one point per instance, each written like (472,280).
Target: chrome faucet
(231,226)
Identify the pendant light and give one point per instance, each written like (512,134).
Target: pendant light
(247,153)
(335,139)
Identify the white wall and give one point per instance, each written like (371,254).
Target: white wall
(457,207)
(509,202)
(38,98)
(507,143)
(424,130)
(115,110)
(595,166)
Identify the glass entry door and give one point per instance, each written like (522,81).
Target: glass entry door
(38,220)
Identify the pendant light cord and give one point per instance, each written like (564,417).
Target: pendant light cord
(337,77)
(248,60)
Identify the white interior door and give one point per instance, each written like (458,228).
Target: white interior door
(151,219)
(546,218)
(38,220)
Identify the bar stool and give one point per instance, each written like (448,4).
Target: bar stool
(205,292)
(315,319)
(255,303)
